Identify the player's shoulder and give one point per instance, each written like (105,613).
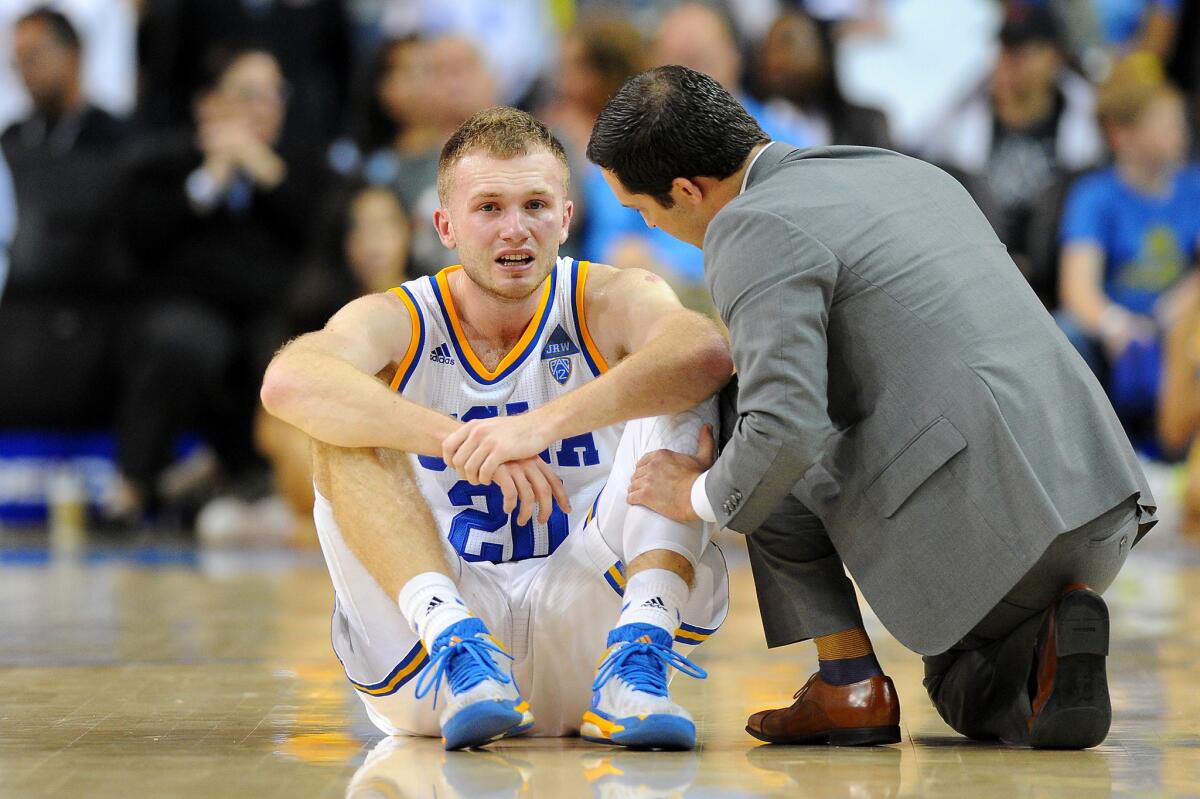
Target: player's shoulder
(622,285)
(379,309)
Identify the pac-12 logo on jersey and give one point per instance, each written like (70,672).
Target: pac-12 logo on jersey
(560,369)
(557,353)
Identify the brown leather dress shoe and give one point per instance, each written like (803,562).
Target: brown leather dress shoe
(860,714)
(1071,709)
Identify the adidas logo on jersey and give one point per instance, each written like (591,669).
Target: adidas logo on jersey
(441,354)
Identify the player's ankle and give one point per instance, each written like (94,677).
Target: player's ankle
(431,604)
(655,597)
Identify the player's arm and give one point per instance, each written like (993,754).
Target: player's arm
(667,359)
(324,382)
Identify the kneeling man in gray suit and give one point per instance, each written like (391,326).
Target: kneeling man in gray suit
(905,408)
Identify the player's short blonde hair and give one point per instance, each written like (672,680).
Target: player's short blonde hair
(501,132)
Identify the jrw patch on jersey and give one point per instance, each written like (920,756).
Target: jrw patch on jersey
(557,354)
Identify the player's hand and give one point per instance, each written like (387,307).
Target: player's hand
(478,448)
(531,483)
(663,479)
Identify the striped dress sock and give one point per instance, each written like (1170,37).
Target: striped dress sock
(846,657)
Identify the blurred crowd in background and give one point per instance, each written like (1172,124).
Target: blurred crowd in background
(186,184)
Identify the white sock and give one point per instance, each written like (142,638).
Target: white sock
(431,603)
(654,596)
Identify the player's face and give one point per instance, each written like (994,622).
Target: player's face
(507,218)
(682,220)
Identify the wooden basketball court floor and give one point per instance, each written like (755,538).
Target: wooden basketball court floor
(161,672)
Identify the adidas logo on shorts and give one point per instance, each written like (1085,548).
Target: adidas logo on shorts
(441,354)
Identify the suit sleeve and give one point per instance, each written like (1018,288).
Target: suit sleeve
(773,285)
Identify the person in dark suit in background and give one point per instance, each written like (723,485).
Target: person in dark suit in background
(218,222)
(60,319)
(905,408)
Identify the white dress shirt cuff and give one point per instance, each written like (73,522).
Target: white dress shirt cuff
(700,504)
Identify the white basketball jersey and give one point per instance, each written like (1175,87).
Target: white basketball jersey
(555,356)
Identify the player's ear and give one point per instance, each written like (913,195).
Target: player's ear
(568,213)
(445,231)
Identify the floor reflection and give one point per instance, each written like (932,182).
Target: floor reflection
(131,675)
(413,767)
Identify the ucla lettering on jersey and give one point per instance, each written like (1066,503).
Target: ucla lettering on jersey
(555,355)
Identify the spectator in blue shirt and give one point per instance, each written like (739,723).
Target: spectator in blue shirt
(1130,233)
(1139,24)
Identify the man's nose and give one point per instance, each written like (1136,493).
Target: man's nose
(514,226)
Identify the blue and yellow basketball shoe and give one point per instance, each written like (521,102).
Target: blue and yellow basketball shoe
(630,703)
(484,703)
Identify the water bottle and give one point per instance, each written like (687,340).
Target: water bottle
(67,500)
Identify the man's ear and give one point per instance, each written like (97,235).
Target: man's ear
(687,191)
(445,231)
(568,213)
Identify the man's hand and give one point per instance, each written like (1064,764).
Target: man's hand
(663,479)
(530,481)
(478,448)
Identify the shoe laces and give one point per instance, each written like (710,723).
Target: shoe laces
(804,688)
(465,662)
(643,666)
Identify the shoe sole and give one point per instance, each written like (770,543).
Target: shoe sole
(484,722)
(656,731)
(1078,713)
(851,736)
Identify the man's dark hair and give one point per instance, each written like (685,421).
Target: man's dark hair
(672,122)
(59,26)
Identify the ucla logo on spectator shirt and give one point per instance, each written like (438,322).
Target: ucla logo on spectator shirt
(557,353)
(441,354)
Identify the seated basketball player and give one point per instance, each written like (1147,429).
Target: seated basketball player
(446,581)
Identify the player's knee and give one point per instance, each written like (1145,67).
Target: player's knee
(678,432)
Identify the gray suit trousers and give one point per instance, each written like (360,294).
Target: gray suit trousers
(980,686)
(803,590)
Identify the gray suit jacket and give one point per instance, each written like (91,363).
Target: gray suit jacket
(899,377)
